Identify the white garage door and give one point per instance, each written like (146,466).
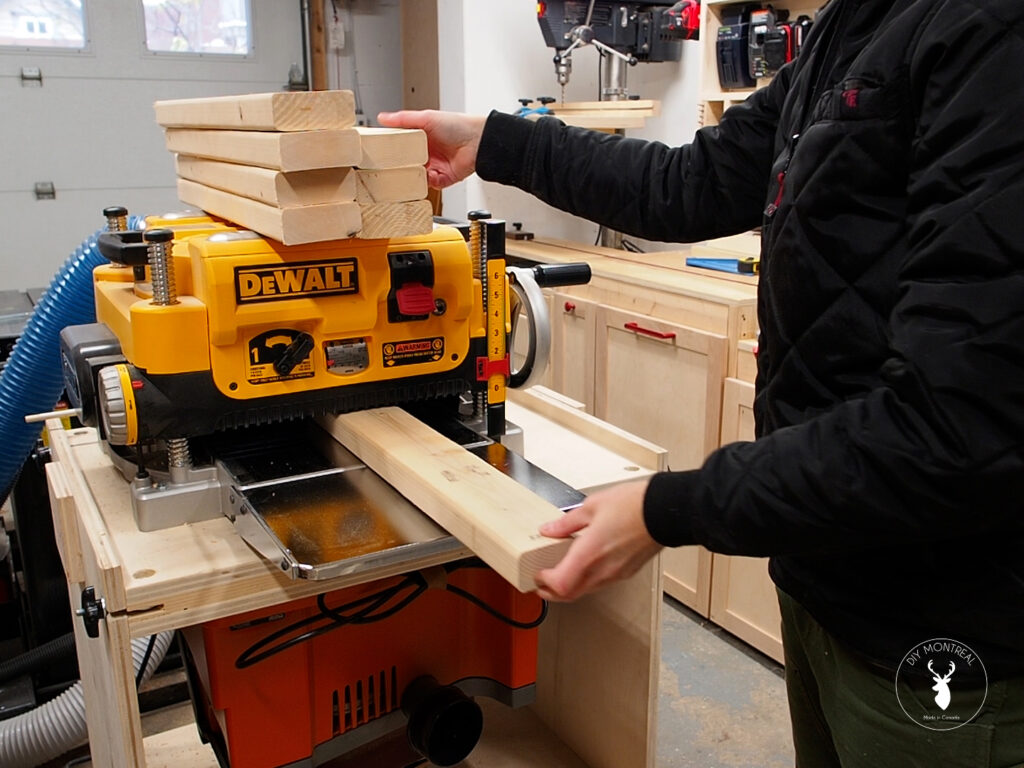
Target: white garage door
(81,117)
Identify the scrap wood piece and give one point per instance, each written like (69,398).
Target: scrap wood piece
(381,220)
(291,226)
(486,510)
(391,185)
(391,147)
(280,111)
(297,151)
(273,187)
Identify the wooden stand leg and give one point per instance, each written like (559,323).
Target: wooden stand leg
(108,685)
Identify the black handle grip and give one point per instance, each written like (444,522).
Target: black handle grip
(124,248)
(554,275)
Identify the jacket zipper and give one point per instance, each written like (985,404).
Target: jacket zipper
(772,207)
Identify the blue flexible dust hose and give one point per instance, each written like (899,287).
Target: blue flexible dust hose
(32,380)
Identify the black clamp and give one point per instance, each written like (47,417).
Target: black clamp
(92,611)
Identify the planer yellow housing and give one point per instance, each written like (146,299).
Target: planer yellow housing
(258,331)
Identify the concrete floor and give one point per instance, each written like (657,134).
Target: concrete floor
(721,703)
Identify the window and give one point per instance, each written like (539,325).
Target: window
(42,23)
(197,26)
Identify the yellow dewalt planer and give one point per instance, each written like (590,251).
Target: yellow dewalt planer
(205,330)
(213,349)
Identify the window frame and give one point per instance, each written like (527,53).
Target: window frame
(198,55)
(57,50)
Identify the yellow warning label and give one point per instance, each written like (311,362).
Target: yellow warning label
(413,351)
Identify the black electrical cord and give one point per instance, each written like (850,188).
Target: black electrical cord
(145,660)
(476,562)
(335,619)
(371,609)
(500,616)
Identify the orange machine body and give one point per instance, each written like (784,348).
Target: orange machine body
(281,708)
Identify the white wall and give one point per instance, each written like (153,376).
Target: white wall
(492,54)
(365,57)
(89,128)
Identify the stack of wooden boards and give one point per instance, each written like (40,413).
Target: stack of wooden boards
(294,167)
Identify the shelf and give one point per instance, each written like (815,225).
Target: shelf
(735,96)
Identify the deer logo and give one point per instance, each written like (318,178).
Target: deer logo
(941,686)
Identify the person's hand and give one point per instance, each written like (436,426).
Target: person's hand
(452,141)
(612,543)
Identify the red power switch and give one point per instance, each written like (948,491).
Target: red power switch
(415,299)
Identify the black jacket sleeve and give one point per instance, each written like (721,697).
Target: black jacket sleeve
(713,187)
(936,450)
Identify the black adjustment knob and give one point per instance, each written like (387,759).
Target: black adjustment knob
(115,211)
(526,102)
(294,354)
(158,235)
(93,611)
(478,215)
(545,100)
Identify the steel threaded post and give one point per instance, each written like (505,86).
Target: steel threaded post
(161,266)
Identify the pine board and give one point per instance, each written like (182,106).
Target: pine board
(291,226)
(486,510)
(391,185)
(283,190)
(284,111)
(298,151)
(396,219)
(391,147)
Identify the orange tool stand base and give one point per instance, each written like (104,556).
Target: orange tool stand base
(277,683)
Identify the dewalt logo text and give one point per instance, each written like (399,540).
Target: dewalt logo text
(273,282)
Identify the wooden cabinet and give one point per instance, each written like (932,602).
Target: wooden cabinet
(572,347)
(663,380)
(645,346)
(660,380)
(743,599)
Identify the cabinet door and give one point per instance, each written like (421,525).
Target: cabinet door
(572,348)
(743,599)
(663,382)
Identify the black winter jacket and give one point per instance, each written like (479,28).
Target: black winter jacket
(886,166)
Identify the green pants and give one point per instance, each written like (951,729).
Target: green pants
(846,713)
